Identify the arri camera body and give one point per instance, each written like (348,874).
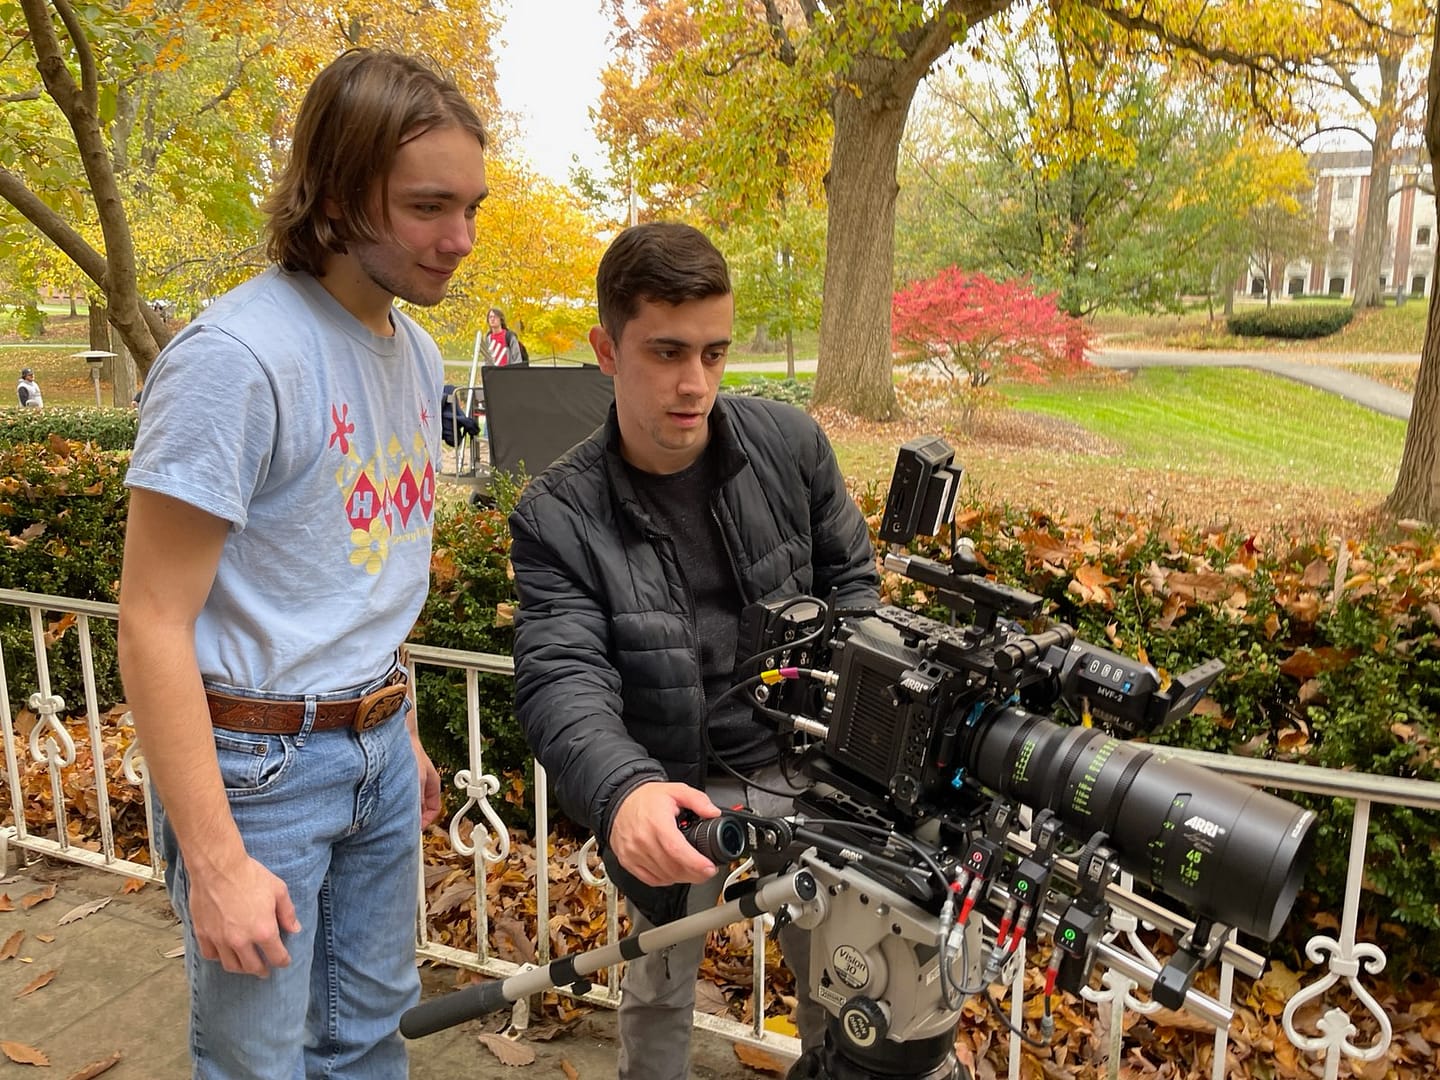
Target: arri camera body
(959,732)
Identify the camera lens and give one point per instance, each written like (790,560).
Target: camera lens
(721,840)
(1228,851)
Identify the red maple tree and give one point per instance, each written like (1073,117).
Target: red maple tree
(973,328)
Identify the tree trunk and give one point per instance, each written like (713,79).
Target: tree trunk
(855,365)
(1370,252)
(1417,488)
(99,325)
(138,326)
(125,379)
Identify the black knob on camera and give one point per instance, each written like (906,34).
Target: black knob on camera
(722,839)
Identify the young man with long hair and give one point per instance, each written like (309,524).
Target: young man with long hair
(274,564)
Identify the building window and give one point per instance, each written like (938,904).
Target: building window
(1417,285)
(1297,286)
(1422,236)
(1337,286)
(1342,237)
(1383,282)
(1346,188)
(1257,286)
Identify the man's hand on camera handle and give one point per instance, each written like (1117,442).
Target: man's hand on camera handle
(648,843)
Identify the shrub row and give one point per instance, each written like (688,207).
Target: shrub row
(790,391)
(62,532)
(105,429)
(1291,321)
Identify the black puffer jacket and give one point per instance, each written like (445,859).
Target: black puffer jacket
(608,685)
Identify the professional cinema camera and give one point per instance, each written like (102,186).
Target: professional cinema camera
(947,817)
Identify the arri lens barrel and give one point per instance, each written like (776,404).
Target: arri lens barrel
(1227,851)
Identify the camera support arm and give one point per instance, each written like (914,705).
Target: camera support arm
(792,888)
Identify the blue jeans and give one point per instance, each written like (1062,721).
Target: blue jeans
(336,816)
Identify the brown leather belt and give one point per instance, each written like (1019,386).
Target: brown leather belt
(285,717)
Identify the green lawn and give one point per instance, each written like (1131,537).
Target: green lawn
(1239,423)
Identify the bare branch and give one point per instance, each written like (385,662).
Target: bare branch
(89,80)
(24,95)
(1303,139)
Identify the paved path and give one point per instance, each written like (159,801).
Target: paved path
(119,988)
(1313,369)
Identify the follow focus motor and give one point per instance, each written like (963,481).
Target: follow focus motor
(948,817)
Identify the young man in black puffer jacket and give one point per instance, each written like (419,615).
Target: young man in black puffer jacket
(633,557)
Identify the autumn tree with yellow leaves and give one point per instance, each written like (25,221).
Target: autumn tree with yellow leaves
(138,139)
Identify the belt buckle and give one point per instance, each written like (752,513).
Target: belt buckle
(379,705)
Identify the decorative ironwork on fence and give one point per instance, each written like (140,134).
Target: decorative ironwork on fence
(50,745)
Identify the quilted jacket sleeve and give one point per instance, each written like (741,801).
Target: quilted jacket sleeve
(567,691)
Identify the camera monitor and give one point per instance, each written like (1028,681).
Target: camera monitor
(922,491)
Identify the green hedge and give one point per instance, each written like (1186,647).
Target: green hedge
(1291,320)
(105,429)
(790,391)
(470,606)
(62,533)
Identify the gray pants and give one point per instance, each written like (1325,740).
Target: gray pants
(658,991)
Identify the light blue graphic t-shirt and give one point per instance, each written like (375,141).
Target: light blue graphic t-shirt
(278,411)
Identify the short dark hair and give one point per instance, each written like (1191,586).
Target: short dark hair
(354,119)
(662,261)
(26,373)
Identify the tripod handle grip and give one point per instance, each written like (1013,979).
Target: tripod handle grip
(454,1008)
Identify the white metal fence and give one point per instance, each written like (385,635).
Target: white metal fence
(59,750)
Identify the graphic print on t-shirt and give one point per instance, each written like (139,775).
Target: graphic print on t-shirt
(389,496)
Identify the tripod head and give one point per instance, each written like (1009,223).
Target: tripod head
(903,929)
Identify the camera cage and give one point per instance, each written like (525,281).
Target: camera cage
(948,818)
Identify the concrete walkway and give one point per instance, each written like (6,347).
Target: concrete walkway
(118,987)
(1313,369)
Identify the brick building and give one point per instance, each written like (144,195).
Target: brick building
(1342,184)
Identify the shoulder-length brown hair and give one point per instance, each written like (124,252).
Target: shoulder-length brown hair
(352,122)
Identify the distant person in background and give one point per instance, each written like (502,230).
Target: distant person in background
(505,347)
(28,390)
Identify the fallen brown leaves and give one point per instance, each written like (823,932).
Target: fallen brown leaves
(1029,460)
(39,982)
(22,1054)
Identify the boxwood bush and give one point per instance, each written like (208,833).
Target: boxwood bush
(105,429)
(1291,320)
(62,532)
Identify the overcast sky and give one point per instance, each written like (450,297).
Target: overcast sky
(548,71)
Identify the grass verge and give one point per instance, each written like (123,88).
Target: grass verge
(1246,423)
